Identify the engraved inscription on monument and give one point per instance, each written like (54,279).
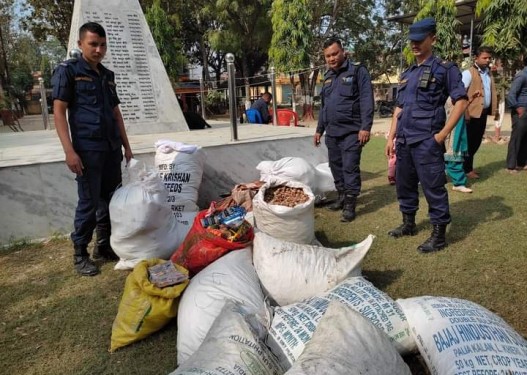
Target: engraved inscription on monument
(127,57)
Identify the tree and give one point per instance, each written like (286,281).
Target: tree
(164,34)
(291,41)
(504,27)
(448,41)
(47,18)
(347,19)
(5,32)
(243,28)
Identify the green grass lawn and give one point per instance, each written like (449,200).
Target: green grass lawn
(54,322)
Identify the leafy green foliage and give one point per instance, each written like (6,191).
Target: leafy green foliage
(504,26)
(164,34)
(47,18)
(292,36)
(448,43)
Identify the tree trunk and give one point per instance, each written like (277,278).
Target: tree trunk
(308,90)
(293,99)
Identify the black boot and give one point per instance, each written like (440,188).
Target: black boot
(407,228)
(82,262)
(339,203)
(102,249)
(436,241)
(348,213)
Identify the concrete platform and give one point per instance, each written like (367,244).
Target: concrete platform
(38,192)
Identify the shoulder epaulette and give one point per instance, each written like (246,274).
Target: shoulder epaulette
(356,63)
(447,64)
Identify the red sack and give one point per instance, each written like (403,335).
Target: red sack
(201,247)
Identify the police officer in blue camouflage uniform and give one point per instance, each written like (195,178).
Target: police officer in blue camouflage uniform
(419,126)
(346,116)
(85,90)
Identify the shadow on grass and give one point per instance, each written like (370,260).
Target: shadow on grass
(468,214)
(488,170)
(381,279)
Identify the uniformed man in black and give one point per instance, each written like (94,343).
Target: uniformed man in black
(85,90)
(346,117)
(419,126)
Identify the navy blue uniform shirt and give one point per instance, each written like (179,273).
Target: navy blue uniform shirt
(347,101)
(518,93)
(91,99)
(423,91)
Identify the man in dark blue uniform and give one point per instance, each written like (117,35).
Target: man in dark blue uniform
(86,90)
(419,125)
(346,117)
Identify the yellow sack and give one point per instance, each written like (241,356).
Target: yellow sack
(144,307)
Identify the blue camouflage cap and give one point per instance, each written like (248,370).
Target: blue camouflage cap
(420,30)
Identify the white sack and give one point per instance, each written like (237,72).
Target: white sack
(288,169)
(456,336)
(232,277)
(324,179)
(143,227)
(293,326)
(347,343)
(185,212)
(180,167)
(233,346)
(295,224)
(291,272)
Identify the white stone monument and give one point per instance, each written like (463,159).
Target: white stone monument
(148,102)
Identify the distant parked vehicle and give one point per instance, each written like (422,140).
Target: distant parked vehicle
(384,108)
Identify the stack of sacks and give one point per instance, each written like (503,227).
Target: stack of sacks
(293,325)
(180,167)
(232,277)
(455,336)
(143,226)
(291,272)
(347,343)
(234,345)
(324,180)
(145,307)
(295,224)
(205,244)
(319,178)
(288,169)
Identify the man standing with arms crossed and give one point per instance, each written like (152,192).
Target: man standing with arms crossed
(85,90)
(418,123)
(346,116)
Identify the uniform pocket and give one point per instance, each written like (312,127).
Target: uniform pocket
(346,86)
(432,161)
(422,120)
(85,92)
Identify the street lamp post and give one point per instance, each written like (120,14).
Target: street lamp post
(43,102)
(231,70)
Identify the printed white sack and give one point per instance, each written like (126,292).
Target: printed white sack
(293,326)
(460,337)
(295,224)
(143,227)
(347,343)
(291,272)
(324,178)
(185,212)
(288,169)
(234,345)
(180,167)
(232,277)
